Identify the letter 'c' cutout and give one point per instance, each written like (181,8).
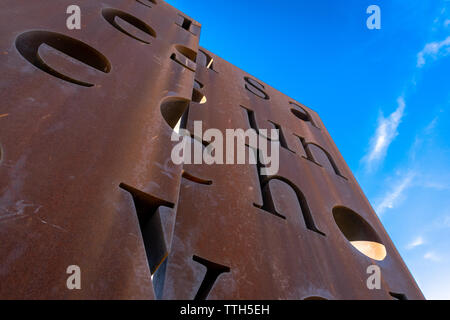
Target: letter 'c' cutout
(28,44)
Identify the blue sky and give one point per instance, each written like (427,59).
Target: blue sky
(383,95)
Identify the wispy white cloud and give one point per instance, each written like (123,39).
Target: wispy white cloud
(384,135)
(394,195)
(433,50)
(432,256)
(415,243)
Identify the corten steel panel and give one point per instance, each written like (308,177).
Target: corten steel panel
(66,148)
(269,257)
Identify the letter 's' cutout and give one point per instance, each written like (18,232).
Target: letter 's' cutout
(28,44)
(146,207)
(111,16)
(185,57)
(268,203)
(213,271)
(256,88)
(310,156)
(205,60)
(301,113)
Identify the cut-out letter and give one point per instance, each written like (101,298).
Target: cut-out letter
(74,20)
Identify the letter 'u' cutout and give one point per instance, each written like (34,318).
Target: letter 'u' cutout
(28,44)
(111,15)
(256,88)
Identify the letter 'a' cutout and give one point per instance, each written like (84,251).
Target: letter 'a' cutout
(28,44)
(213,271)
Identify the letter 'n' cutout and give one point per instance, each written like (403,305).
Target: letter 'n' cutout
(213,271)
(150,224)
(256,88)
(145,2)
(398,296)
(28,44)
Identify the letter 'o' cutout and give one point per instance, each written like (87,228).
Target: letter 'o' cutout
(28,44)
(359,233)
(110,15)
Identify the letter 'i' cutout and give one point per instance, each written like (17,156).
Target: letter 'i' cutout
(213,271)
(268,203)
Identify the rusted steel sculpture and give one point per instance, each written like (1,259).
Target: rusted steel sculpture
(86,176)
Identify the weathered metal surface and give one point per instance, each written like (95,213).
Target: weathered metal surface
(86,176)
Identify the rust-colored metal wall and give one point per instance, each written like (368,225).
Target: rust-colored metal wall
(86,176)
